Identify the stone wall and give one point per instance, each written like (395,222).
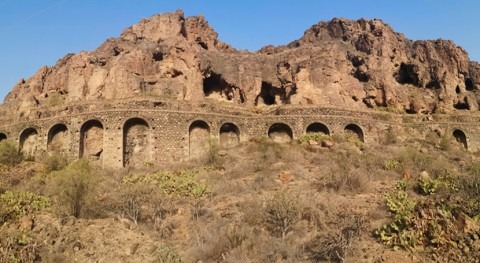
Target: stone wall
(138,133)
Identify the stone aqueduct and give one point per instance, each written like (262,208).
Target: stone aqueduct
(133,133)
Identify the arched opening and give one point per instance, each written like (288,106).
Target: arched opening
(198,139)
(354,129)
(229,135)
(280,133)
(135,142)
(29,142)
(57,139)
(460,137)
(318,127)
(3,136)
(91,141)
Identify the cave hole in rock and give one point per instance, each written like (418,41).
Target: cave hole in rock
(317,127)
(29,142)
(461,105)
(356,60)
(433,84)
(361,76)
(57,139)
(198,139)
(469,84)
(157,56)
(355,130)
(136,143)
(458,90)
(201,43)
(215,86)
(267,94)
(91,141)
(460,137)
(229,135)
(407,74)
(3,136)
(280,133)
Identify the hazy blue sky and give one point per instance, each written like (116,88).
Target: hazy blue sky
(34,33)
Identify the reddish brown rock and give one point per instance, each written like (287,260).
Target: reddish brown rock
(341,63)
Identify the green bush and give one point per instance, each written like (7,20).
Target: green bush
(402,185)
(428,186)
(427,222)
(75,186)
(313,136)
(14,205)
(181,184)
(390,165)
(9,154)
(396,233)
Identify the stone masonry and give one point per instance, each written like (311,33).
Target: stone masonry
(142,132)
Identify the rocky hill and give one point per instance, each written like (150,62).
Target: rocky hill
(341,63)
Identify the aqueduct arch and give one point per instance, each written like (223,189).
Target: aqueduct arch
(136,142)
(198,139)
(91,140)
(29,142)
(280,133)
(57,139)
(318,127)
(461,137)
(353,128)
(229,135)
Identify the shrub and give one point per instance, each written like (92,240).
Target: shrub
(427,222)
(345,176)
(14,205)
(390,165)
(181,184)
(347,137)
(336,245)
(166,255)
(16,246)
(469,193)
(313,136)
(412,159)
(213,159)
(390,136)
(9,154)
(55,162)
(281,213)
(397,233)
(428,186)
(132,198)
(75,186)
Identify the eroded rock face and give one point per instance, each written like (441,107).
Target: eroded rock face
(342,63)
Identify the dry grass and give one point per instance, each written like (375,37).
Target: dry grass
(328,196)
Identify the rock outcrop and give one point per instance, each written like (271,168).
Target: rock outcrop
(342,63)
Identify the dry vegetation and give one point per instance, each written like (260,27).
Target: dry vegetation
(258,202)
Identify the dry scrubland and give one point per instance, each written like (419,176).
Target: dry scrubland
(318,199)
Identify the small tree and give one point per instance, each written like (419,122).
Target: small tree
(281,213)
(75,185)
